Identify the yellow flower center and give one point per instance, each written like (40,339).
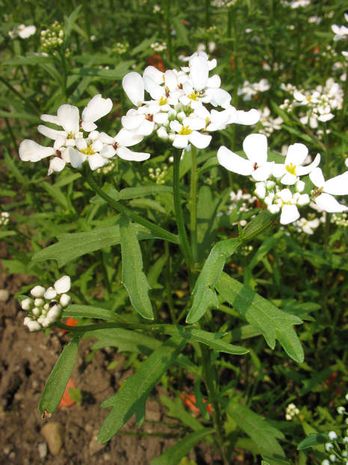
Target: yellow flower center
(291,168)
(163,101)
(185,131)
(88,150)
(70,135)
(193,96)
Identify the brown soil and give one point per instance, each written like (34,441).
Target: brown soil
(26,359)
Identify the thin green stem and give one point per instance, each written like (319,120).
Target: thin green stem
(193,203)
(183,239)
(210,379)
(118,206)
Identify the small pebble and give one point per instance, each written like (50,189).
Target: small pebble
(4,295)
(42,450)
(53,434)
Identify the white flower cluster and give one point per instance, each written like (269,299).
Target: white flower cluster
(22,31)
(159,174)
(340,219)
(269,124)
(78,140)
(279,185)
(337,447)
(242,201)
(318,104)
(308,225)
(4,218)
(44,307)
(291,412)
(159,46)
(249,90)
(52,38)
(183,104)
(341,32)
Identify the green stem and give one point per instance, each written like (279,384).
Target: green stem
(154,228)
(193,203)
(210,379)
(183,239)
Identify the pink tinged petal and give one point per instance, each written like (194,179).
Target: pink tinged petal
(69,117)
(132,122)
(262,173)
(133,85)
(50,119)
(49,132)
(328,203)
(255,147)
(96,109)
(317,177)
(201,141)
(303,170)
(56,165)
(297,153)
(107,151)
(30,150)
(154,74)
(63,285)
(96,161)
(233,162)
(337,185)
(289,214)
(247,117)
(289,179)
(199,72)
(76,158)
(180,141)
(128,138)
(129,155)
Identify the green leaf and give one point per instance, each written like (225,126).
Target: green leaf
(59,377)
(133,276)
(124,339)
(71,246)
(87,311)
(312,440)
(174,454)
(125,403)
(204,295)
(175,409)
(260,431)
(213,340)
(273,323)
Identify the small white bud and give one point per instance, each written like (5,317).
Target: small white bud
(50,293)
(333,458)
(328,446)
(38,302)
(63,285)
(341,410)
(36,311)
(332,435)
(65,300)
(26,303)
(38,291)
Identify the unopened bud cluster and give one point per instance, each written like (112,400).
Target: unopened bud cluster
(4,218)
(291,412)
(44,306)
(52,38)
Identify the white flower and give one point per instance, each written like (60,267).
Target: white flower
(187,133)
(133,85)
(332,435)
(22,31)
(341,32)
(293,165)
(257,166)
(324,197)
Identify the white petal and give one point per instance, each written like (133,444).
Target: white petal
(289,179)
(328,203)
(255,147)
(88,126)
(154,74)
(247,117)
(107,151)
(278,170)
(297,153)
(96,161)
(337,185)
(106,139)
(170,79)
(303,170)
(180,141)
(133,85)
(63,284)
(132,121)
(233,162)
(32,151)
(96,109)
(56,165)
(201,141)
(214,81)
(317,177)
(289,214)
(69,117)
(153,88)
(199,72)
(128,138)
(146,128)
(175,126)
(50,119)
(219,97)
(129,155)
(262,173)
(49,132)
(76,157)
